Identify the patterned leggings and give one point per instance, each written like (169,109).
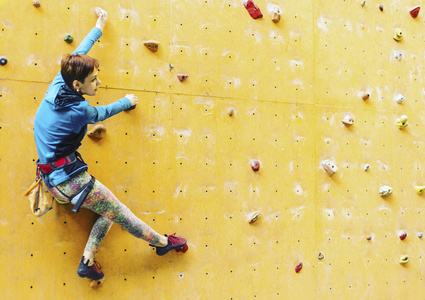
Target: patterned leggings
(111,210)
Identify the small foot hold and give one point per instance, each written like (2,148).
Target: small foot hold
(183,249)
(254,217)
(299,267)
(276,16)
(97,283)
(329,167)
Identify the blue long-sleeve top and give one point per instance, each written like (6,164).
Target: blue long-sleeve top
(62,117)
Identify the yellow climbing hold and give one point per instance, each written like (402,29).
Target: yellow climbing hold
(419,189)
(398,35)
(404,259)
(402,122)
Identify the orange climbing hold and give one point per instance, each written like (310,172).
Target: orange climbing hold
(414,11)
(276,16)
(36,3)
(97,132)
(253,9)
(152,45)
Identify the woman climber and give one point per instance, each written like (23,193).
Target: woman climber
(59,127)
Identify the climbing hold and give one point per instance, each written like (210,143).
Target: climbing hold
(97,132)
(365,96)
(381,7)
(3,60)
(321,256)
(152,45)
(255,165)
(398,55)
(254,217)
(414,11)
(385,191)
(402,235)
(298,267)
(366,167)
(399,98)
(276,16)
(171,66)
(68,38)
(419,189)
(348,120)
(402,122)
(398,35)
(363,2)
(253,9)
(329,167)
(36,3)
(368,237)
(420,235)
(182,77)
(231,112)
(404,259)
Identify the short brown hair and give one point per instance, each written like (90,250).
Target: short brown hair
(77,67)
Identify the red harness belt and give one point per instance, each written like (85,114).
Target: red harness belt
(57,164)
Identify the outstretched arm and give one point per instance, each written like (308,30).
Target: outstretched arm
(88,41)
(96,114)
(94,34)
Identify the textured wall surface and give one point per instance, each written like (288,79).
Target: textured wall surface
(182,163)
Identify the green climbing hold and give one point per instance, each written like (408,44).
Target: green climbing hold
(68,38)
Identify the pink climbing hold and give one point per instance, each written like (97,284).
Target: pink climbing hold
(414,11)
(253,9)
(298,267)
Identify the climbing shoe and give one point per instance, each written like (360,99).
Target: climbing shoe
(174,242)
(92,272)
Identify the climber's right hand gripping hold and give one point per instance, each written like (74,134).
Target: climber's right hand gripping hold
(103,17)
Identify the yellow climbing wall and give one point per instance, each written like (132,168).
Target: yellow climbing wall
(181,162)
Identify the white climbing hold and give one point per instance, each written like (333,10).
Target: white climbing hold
(398,55)
(329,167)
(399,98)
(385,191)
(366,167)
(348,120)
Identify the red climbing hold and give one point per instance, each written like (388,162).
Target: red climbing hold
(255,165)
(403,235)
(182,77)
(414,11)
(299,267)
(253,9)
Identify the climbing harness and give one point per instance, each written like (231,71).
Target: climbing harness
(79,198)
(60,163)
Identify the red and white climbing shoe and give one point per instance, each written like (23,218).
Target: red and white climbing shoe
(92,272)
(174,242)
